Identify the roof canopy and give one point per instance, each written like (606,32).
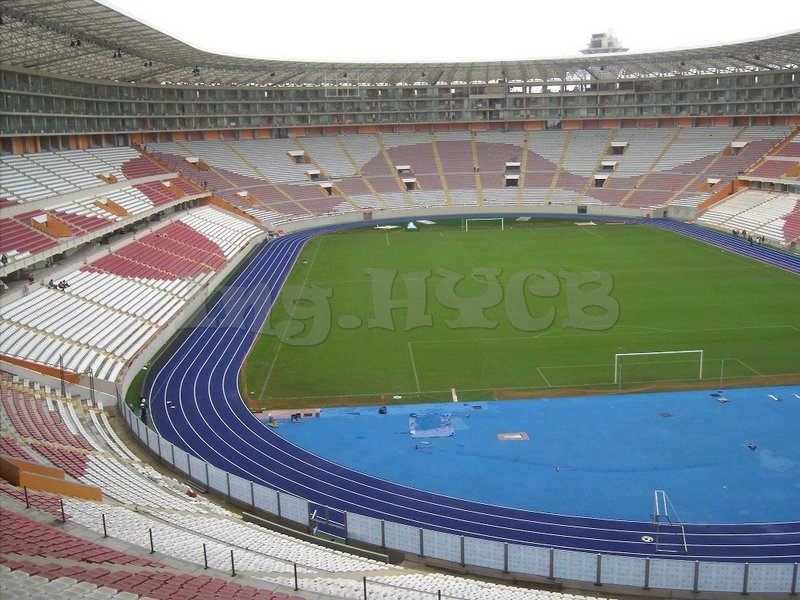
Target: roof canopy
(82,39)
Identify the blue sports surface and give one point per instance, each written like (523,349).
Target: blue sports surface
(723,458)
(583,457)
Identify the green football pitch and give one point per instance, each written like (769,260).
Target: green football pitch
(539,308)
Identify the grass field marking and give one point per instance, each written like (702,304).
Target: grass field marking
(762,266)
(543,377)
(414,367)
(650,331)
(678,269)
(387,240)
(588,229)
(609,366)
(648,328)
(792,327)
(745,365)
(654,330)
(291,316)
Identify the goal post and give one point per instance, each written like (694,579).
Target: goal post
(619,356)
(475,219)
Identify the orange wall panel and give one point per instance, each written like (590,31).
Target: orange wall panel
(52,371)
(534,125)
(22,473)
(726,190)
(33,467)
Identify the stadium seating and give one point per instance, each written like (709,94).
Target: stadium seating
(658,167)
(757,212)
(136,289)
(18,239)
(40,560)
(187,531)
(772,168)
(29,177)
(259,177)
(140,287)
(77,193)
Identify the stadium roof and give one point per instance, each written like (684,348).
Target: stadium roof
(83,39)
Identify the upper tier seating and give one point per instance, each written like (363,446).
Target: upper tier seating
(261,177)
(79,192)
(27,177)
(136,289)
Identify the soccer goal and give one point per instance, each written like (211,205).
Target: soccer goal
(665,365)
(479,221)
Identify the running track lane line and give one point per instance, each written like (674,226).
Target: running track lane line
(211,421)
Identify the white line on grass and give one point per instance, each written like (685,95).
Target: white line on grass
(746,366)
(653,330)
(589,230)
(543,377)
(291,318)
(414,366)
(488,391)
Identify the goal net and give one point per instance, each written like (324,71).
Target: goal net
(668,365)
(484,222)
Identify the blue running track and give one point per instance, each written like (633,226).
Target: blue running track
(195,403)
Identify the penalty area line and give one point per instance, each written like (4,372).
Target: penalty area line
(414,367)
(746,366)
(543,377)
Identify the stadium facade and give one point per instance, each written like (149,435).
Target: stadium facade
(76,73)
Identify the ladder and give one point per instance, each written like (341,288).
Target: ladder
(670,536)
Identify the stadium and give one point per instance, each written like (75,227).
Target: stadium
(382,330)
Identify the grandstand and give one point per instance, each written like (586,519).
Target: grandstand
(142,201)
(187,532)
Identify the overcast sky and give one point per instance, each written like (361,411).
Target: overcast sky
(442,31)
